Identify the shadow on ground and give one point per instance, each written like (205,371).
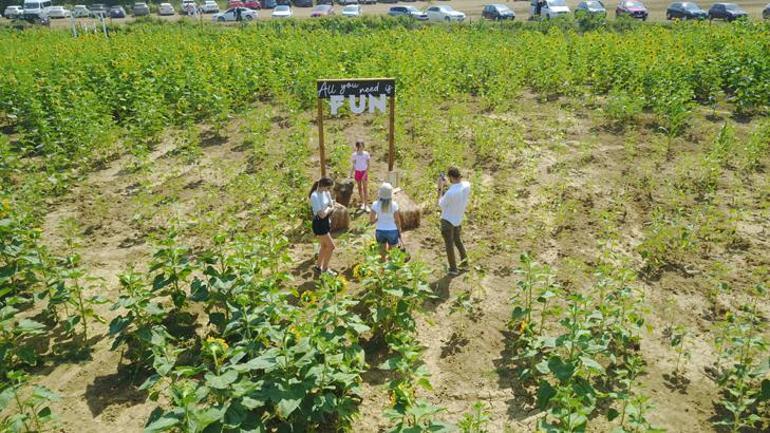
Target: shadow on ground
(119,388)
(521,405)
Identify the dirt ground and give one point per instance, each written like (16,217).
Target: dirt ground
(559,143)
(473,10)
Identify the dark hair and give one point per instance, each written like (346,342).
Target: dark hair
(359,143)
(324,181)
(454,172)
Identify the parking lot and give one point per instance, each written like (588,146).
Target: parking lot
(472,8)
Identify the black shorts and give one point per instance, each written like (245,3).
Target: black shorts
(322,226)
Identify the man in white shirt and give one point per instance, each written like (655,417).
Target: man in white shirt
(453,202)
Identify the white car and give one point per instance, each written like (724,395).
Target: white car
(58,12)
(37,7)
(444,13)
(210,7)
(407,11)
(189,7)
(351,11)
(80,11)
(12,12)
(165,9)
(548,8)
(232,15)
(282,11)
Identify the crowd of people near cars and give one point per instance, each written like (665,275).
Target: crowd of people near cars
(247,10)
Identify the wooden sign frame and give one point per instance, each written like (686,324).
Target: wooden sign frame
(326,88)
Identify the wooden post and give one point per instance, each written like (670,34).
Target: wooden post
(362,87)
(321,136)
(391,133)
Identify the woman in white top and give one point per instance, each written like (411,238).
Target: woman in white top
(359,170)
(323,207)
(385,214)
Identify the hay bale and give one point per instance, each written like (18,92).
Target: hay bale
(410,212)
(340,218)
(343,191)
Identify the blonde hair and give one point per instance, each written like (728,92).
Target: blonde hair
(385,204)
(385,195)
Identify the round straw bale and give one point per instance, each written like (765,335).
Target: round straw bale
(340,218)
(343,191)
(410,212)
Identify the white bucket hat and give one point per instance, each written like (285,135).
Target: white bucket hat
(386,191)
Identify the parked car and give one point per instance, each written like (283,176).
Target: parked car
(497,12)
(231,14)
(351,11)
(407,11)
(210,7)
(303,3)
(347,2)
(444,13)
(685,11)
(36,7)
(140,10)
(55,12)
(726,11)
(235,4)
(98,9)
(590,7)
(388,1)
(766,12)
(188,7)
(282,11)
(371,2)
(80,11)
(547,8)
(34,19)
(269,4)
(116,12)
(632,8)
(324,10)
(252,4)
(12,12)
(165,9)
(288,2)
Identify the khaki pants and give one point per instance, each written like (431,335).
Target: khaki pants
(452,239)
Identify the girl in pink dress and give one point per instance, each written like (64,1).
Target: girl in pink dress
(360,172)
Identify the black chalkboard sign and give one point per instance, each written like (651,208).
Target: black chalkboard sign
(374,93)
(355,87)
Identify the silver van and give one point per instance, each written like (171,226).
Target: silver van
(37,7)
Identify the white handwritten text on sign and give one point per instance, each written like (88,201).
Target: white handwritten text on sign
(358,103)
(361,94)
